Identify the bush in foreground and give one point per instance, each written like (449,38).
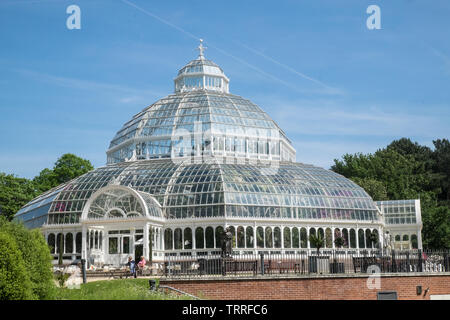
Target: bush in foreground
(35,256)
(15,282)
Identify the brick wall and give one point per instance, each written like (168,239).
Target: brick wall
(297,288)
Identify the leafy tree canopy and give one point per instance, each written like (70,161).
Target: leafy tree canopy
(407,170)
(15,192)
(66,168)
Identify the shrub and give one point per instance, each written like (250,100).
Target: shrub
(36,257)
(15,283)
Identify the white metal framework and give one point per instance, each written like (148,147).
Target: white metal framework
(197,161)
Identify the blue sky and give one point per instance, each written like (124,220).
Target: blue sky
(333,85)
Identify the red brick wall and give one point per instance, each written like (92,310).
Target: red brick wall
(353,288)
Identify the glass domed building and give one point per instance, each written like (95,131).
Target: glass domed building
(195,162)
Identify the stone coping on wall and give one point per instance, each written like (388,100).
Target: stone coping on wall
(299,277)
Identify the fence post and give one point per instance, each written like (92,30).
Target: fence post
(393,262)
(83,269)
(262,263)
(446,261)
(419,267)
(408,262)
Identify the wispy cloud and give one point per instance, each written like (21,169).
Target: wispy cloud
(325,90)
(328,89)
(129,94)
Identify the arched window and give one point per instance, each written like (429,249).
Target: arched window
(321,233)
(345,236)
(240,237)
(361,238)
(268,236)
(249,237)
(219,236)
(287,237)
(168,245)
(233,232)
(295,238)
(277,237)
(312,232)
(78,240)
(69,243)
(328,238)
(414,242)
(187,238)
(397,237)
(369,242)
(375,238)
(352,238)
(178,239)
(199,238)
(405,237)
(260,237)
(209,235)
(303,238)
(51,242)
(60,243)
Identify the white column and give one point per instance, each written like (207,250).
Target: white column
(282,236)
(254,237)
(357,237)
(74,244)
(83,243)
(419,239)
(307,238)
(146,240)
(194,242)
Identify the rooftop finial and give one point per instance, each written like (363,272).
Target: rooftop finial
(201,48)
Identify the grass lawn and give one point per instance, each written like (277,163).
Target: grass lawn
(123,289)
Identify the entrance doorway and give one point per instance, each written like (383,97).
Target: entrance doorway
(138,252)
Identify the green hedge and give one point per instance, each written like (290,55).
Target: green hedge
(35,256)
(15,281)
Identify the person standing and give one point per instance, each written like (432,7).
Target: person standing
(132,265)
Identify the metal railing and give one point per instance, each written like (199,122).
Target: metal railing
(309,263)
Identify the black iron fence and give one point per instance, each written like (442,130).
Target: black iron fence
(309,263)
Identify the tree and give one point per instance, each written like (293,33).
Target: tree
(317,241)
(441,157)
(339,240)
(66,168)
(436,227)
(407,170)
(14,193)
(376,189)
(15,282)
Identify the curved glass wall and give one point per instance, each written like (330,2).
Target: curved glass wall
(227,125)
(290,191)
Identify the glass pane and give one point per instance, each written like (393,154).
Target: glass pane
(219,236)
(113,248)
(260,237)
(199,240)
(209,234)
(249,237)
(126,245)
(188,238)
(287,237)
(268,236)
